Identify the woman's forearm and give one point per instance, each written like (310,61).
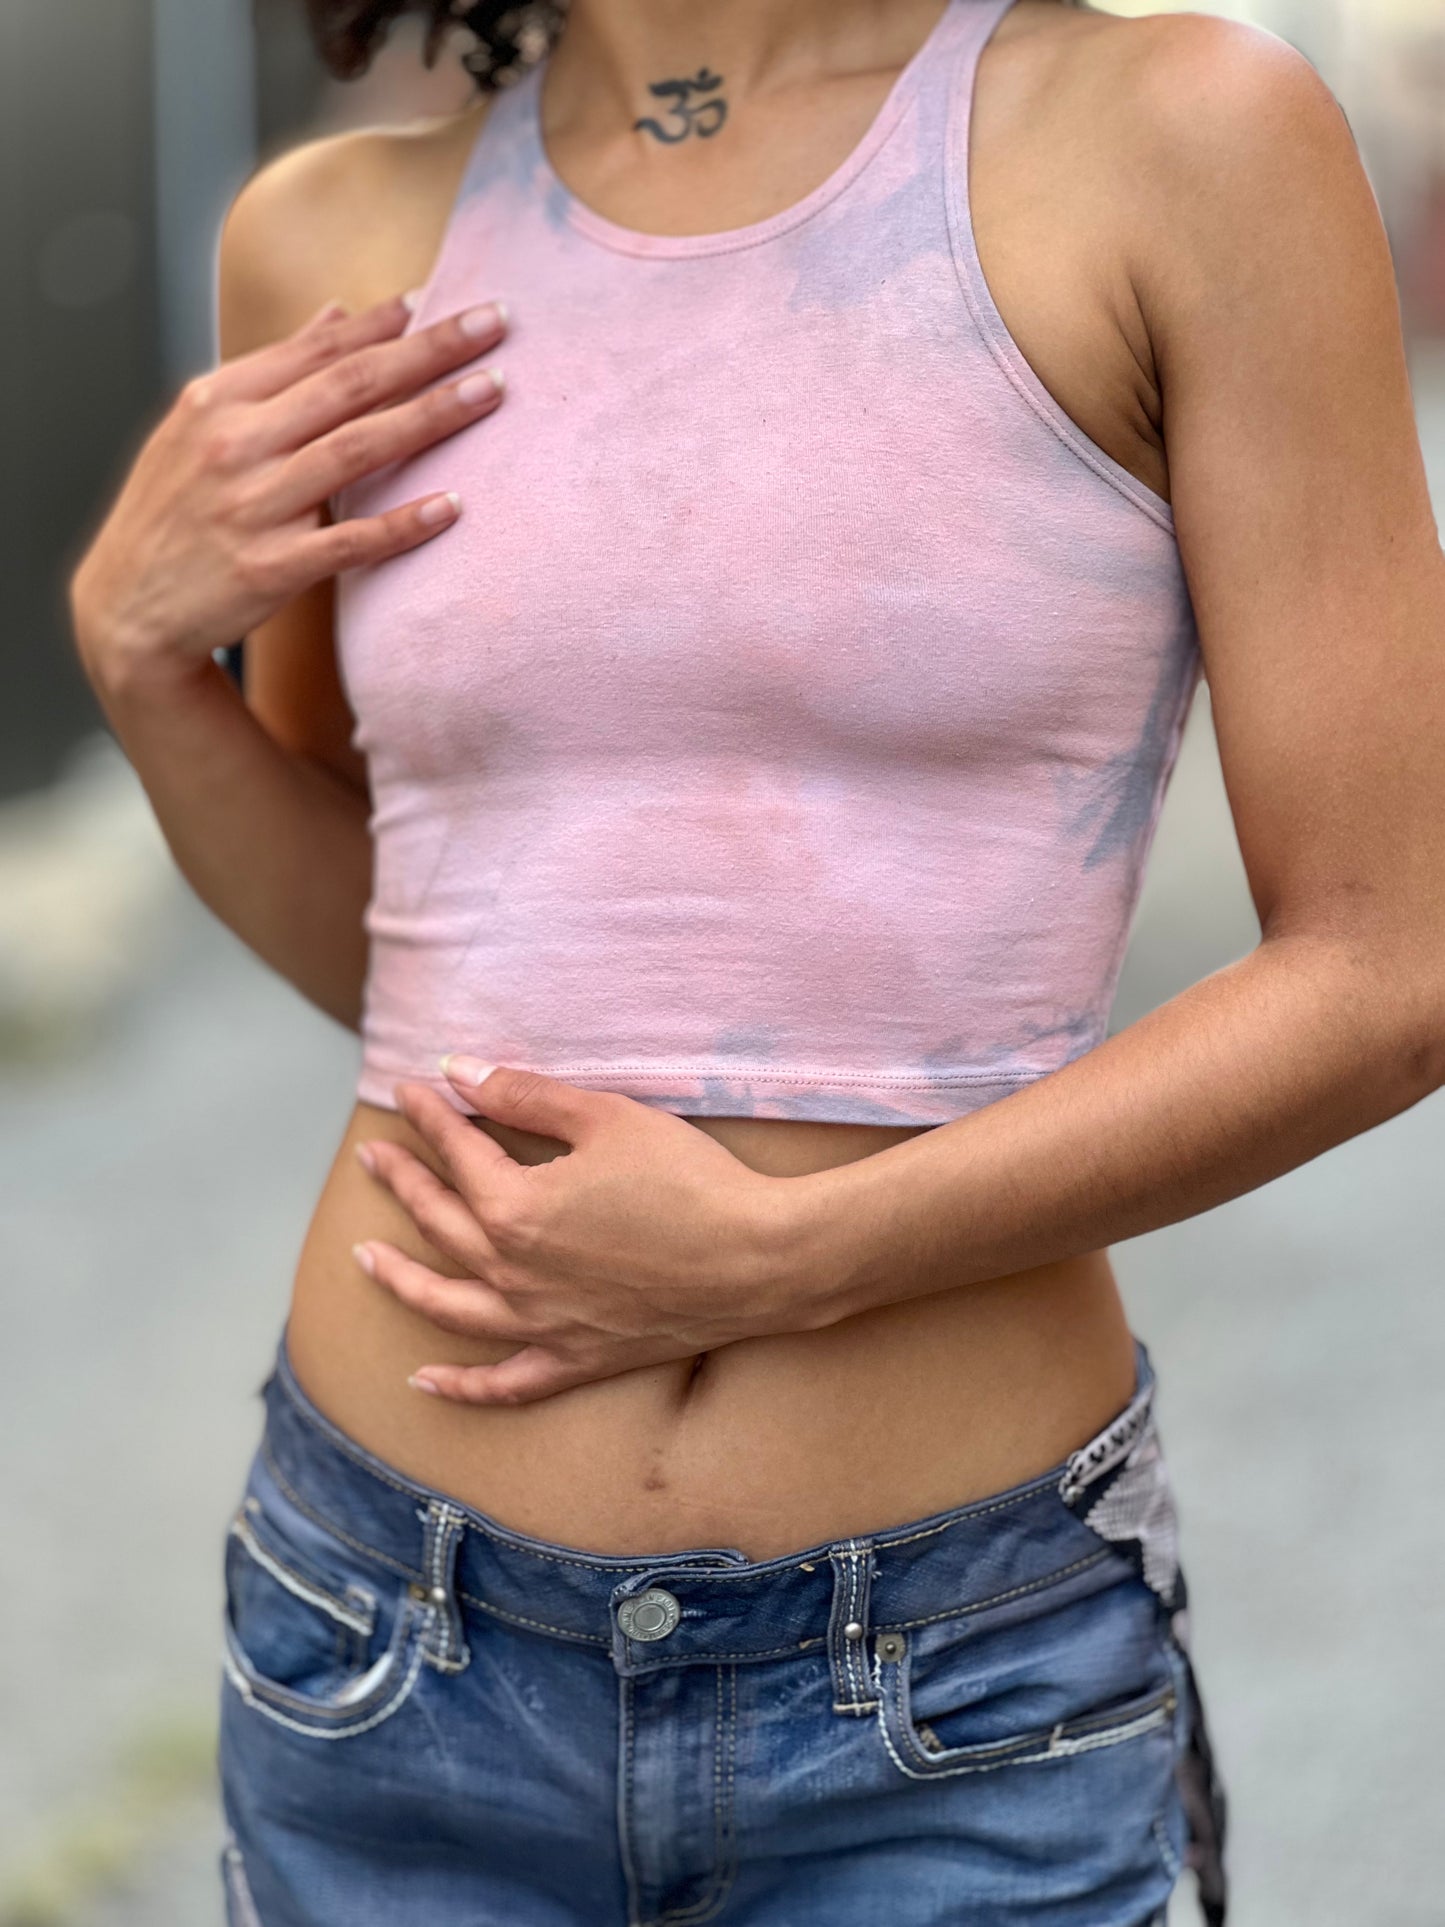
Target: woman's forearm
(1248,1074)
(274,844)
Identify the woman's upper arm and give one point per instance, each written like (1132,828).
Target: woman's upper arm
(1298,487)
(284,252)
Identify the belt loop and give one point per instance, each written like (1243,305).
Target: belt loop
(848,1627)
(443,1644)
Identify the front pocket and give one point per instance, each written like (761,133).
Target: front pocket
(320,1650)
(938,1745)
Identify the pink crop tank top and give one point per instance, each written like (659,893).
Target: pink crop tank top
(782,728)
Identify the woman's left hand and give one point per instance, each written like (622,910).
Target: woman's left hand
(645,1242)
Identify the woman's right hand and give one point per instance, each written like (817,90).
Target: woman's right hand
(222,518)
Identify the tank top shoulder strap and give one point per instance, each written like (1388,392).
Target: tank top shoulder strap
(949,89)
(944,66)
(503,149)
(948,62)
(948,59)
(957,82)
(941,81)
(968,27)
(499,183)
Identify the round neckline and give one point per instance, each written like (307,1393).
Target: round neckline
(638,241)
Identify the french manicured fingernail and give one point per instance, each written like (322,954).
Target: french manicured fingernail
(362,1255)
(466,1070)
(423,1385)
(411,299)
(484,320)
(366,1157)
(440,508)
(485,385)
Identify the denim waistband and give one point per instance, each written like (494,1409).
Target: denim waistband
(995,1556)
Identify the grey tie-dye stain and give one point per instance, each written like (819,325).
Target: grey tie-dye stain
(755,1043)
(1119,795)
(905,227)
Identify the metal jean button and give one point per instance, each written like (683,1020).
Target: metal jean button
(649,1615)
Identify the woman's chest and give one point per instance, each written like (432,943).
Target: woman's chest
(768,500)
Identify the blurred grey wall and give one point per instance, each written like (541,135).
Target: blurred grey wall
(126,126)
(289,77)
(204,82)
(80,357)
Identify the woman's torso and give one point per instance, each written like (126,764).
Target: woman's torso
(783,1441)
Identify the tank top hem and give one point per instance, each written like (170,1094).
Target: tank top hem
(709,1089)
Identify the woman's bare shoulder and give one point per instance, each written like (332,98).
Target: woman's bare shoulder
(355,216)
(1188,77)
(1181,141)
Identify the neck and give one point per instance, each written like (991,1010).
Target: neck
(614,52)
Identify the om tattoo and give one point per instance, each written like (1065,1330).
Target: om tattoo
(688,114)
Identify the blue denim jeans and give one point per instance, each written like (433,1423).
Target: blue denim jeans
(985,1716)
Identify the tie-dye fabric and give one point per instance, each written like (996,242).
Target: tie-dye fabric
(782,729)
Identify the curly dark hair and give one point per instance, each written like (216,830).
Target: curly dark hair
(510,35)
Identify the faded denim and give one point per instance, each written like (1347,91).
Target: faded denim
(985,1716)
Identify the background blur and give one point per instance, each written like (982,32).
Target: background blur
(153,1191)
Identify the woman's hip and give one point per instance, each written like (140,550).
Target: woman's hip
(430,1716)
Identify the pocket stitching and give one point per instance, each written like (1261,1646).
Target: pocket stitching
(1063,1741)
(404,1653)
(255,1694)
(346,1614)
(318,1717)
(1117,1736)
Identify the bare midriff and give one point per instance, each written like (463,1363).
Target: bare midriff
(768,1445)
